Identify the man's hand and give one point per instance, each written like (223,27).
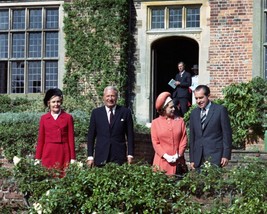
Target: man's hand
(129,159)
(224,162)
(90,163)
(177,83)
(192,165)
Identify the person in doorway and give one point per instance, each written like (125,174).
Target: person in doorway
(55,146)
(194,83)
(181,95)
(168,134)
(210,132)
(109,126)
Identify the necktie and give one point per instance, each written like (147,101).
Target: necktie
(203,117)
(111,115)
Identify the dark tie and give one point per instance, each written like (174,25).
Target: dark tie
(203,117)
(111,115)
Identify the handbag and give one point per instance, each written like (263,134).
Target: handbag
(181,167)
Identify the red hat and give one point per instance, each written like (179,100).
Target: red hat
(161,100)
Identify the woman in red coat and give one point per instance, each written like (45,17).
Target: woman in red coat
(168,134)
(55,146)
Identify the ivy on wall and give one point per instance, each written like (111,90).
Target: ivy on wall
(97,37)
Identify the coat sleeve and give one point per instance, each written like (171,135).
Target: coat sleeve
(130,134)
(91,135)
(155,140)
(71,138)
(191,138)
(227,134)
(40,140)
(183,141)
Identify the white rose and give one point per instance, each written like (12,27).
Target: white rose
(38,208)
(16,160)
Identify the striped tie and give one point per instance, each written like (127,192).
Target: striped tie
(203,117)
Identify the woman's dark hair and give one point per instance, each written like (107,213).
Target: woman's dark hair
(51,93)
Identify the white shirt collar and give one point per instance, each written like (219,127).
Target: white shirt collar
(108,109)
(55,116)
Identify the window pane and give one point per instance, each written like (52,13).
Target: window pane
(157,19)
(3,77)
(35,19)
(17,77)
(192,17)
(3,45)
(18,45)
(18,19)
(3,19)
(51,74)
(175,19)
(35,44)
(34,77)
(52,18)
(51,44)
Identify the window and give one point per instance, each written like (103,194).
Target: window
(172,17)
(29,49)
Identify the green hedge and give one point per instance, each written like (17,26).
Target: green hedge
(138,189)
(19,131)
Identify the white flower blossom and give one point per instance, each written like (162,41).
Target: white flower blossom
(16,160)
(38,208)
(36,162)
(79,164)
(47,193)
(207,164)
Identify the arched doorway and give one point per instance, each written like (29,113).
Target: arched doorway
(166,53)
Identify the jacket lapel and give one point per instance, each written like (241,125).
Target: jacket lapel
(210,113)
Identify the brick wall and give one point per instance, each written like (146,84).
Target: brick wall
(230,54)
(10,196)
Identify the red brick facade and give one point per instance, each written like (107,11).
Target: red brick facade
(230,54)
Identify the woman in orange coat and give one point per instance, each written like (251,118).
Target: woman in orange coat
(168,134)
(55,146)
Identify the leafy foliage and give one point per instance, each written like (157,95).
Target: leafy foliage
(18,133)
(97,38)
(246,103)
(138,189)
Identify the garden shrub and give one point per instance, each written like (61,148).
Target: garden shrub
(138,189)
(19,131)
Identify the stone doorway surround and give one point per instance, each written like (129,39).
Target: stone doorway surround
(146,54)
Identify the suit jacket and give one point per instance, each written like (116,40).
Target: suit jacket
(182,90)
(56,140)
(107,142)
(215,140)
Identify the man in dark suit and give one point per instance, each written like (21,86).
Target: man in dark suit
(109,127)
(181,95)
(210,131)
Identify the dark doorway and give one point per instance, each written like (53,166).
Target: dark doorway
(166,53)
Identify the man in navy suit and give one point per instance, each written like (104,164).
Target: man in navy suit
(109,127)
(181,95)
(210,131)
